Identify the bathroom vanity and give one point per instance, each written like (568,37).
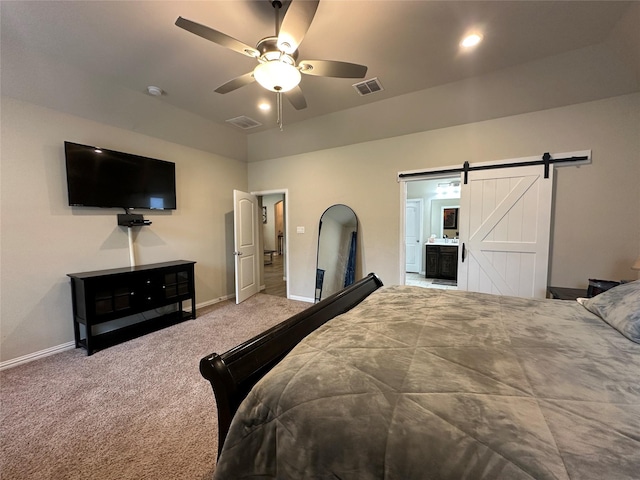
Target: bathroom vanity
(442,260)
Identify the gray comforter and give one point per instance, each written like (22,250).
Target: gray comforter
(434,384)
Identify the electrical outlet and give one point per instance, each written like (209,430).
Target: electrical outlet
(299,229)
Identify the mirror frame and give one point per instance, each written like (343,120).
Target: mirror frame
(352,248)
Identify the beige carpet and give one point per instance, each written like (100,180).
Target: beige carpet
(138,410)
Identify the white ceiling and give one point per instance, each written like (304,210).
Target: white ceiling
(409,45)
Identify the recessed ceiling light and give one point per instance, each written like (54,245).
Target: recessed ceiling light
(471,40)
(264,106)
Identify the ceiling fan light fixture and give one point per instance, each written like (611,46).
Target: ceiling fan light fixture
(277,76)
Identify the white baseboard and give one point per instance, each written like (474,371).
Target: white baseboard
(294,297)
(302,299)
(210,302)
(71,345)
(14,362)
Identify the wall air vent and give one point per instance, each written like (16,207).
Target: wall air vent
(368,87)
(244,122)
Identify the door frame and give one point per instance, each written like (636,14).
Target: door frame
(286,251)
(433,173)
(402,280)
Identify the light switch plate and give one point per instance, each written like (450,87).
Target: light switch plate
(299,229)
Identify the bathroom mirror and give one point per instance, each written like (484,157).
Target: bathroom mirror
(337,241)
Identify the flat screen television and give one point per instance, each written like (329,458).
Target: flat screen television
(97,177)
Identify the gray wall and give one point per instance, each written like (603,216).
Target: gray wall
(43,238)
(588,238)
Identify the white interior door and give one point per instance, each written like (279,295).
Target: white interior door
(245,238)
(504,231)
(413,233)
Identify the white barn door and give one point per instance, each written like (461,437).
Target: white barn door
(504,231)
(245,239)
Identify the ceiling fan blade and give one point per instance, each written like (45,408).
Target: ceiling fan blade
(296,98)
(295,24)
(217,37)
(332,68)
(236,83)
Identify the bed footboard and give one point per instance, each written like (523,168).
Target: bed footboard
(233,373)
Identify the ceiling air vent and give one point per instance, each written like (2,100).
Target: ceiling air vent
(244,122)
(368,86)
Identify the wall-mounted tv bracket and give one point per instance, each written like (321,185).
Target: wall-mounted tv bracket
(132,220)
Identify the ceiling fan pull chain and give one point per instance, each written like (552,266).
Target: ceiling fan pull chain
(279,108)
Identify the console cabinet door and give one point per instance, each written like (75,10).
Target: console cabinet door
(176,285)
(109,298)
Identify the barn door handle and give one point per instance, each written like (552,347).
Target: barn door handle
(464,252)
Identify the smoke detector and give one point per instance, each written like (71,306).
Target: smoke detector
(154,91)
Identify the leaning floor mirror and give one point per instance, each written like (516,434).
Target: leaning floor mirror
(337,241)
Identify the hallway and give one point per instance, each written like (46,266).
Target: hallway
(274,277)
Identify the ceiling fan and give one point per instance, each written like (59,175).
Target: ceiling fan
(278,69)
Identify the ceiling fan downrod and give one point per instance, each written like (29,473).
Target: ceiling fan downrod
(277,5)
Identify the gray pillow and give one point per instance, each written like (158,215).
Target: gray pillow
(620,308)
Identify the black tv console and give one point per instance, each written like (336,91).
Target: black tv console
(107,295)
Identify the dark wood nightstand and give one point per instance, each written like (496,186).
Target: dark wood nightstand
(563,293)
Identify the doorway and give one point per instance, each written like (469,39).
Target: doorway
(424,201)
(273,236)
(504,223)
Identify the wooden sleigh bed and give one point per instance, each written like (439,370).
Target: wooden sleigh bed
(406,382)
